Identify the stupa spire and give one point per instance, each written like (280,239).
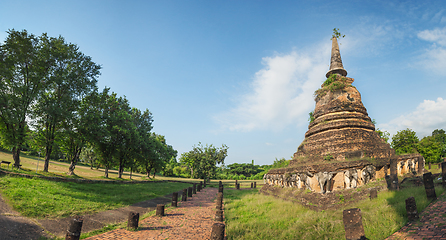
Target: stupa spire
(336,62)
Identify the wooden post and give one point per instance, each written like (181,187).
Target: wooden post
(443,174)
(194,188)
(204,184)
(428,181)
(255,183)
(237,186)
(184,195)
(353,224)
(420,165)
(175,199)
(74,229)
(198,187)
(133,220)
(219,205)
(220,197)
(220,189)
(160,210)
(219,215)
(218,231)
(252,185)
(411,209)
(236,183)
(394,174)
(189,192)
(373,194)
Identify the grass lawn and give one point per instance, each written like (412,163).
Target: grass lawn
(251,215)
(59,169)
(42,198)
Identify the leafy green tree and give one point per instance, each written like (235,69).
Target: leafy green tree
(405,141)
(430,148)
(144,152)
(203,160)
(71,76)
(384,135)
(245,169)
(89,156)
(24,66)
(440,137)
(111,118)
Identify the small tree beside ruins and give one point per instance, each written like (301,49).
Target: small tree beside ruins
(405,141)
(203,160)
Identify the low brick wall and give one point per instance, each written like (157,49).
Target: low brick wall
(342,175)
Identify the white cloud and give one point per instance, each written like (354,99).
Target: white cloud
(437,36)
(434,58)
(428,116)
(281,93)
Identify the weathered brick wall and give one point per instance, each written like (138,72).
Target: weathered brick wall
(341,175)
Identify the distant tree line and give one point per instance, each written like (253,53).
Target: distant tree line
(433,147)
(50,104)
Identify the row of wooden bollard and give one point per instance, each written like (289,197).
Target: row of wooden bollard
(237,185)
(218,229)
(75,227)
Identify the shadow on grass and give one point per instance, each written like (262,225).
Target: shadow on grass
(42,198)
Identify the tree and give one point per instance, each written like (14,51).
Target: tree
(245,169)
(405,141)
(112,121)
(24,66)
(384,135)
(89,155)
(202,160)
(430,149)
(440,137)
(71,76)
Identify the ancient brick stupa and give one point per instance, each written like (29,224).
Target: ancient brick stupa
(341,127)
(341,148)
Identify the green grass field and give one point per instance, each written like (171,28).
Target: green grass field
(42,198)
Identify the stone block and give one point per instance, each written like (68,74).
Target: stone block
(411,209)
(353,224)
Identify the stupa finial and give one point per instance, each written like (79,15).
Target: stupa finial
(336,62)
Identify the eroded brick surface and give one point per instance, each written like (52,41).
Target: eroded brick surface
(191,220)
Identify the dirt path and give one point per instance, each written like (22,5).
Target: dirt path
(193,219)
(99,220)
(14,226)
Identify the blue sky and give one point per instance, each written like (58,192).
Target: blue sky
(243,73)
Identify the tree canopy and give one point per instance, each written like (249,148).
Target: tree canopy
(405,141)
(202,160)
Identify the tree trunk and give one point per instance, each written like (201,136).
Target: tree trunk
(16,156)
(47,158)
(154,172)
(131,170)
(106,172)
(121,169)
(148,171)
(72,167)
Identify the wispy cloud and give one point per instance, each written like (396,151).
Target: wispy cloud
(436,35)
(433,58)
(428,116)
(281,93)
